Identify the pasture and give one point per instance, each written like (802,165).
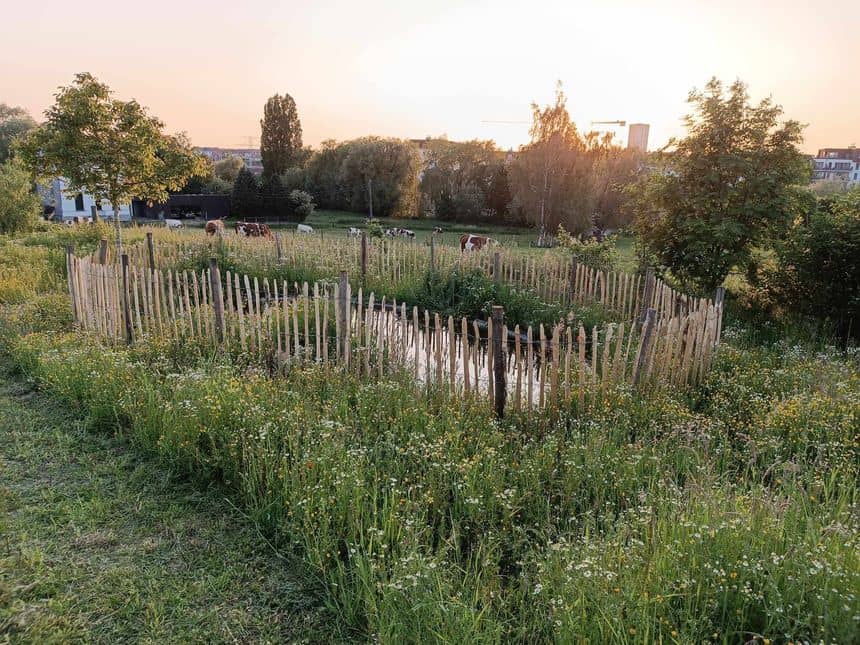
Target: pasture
(720,509)
(338,223)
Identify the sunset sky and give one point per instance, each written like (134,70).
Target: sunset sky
(410,69)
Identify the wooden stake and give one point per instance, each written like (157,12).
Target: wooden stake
(499,364)
(217,298)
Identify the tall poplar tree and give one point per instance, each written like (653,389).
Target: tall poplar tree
(281,138)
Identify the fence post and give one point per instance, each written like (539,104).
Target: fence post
(497,267)
(719,299)
(364,258)
(217,297)
(645,347)
(343,313)
(648,294)
(103,249)
(151,249)
(573,267)
(432,252)
(70,272)
(126,305)
(278,247)
(499,363)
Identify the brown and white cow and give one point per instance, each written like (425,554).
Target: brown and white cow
(215,227)
(251,229)
(471,242)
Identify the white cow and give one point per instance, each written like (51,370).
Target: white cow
(304,228)
(354,232)
(172,223)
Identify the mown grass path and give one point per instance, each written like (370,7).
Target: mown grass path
(100,545)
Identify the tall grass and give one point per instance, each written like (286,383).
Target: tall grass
(729,515)
(629,520)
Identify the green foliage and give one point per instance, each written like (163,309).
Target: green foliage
(294,179)
(600,254)
(108,148)
(466,205)
(281,138)
(374,229)
(20,207)
(562,178)
(499,193)
(727,186)
(245,198)
(472,294)
(15,122)
(339,174)
(817,272)
(456,178)
(302,203)
(227,169)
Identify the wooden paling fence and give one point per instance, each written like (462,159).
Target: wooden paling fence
(554,277)
(328,322)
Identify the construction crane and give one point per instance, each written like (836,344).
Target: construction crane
(506,122)
(618,123)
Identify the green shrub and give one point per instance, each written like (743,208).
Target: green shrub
(20,207)
(817,272)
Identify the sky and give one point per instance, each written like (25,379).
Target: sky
(411,69)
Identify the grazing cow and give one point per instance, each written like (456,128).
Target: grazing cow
(437,230)
(172,223)
(470,242)
(251,229)
(215,226)
(399,232)
(83,219)
(304,228)
(354,232)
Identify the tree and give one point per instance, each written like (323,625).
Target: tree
(455,181)
(245,198)
(392,165)
(552,174)
(281,139)
(723,188)
(108,148)
(323,174)
(499,194)
(14,123)
(228,168)
(301,203)
(19,205)
(818,268)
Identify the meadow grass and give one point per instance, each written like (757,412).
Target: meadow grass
(725,515)
(632,519)
(101,546)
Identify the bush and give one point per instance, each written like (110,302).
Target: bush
(818,266)
(19,206)
(374,229)
(302,203)
(591,252)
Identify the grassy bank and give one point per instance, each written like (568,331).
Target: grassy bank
(101,546)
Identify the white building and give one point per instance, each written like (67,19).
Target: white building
(843,171)
(68,205)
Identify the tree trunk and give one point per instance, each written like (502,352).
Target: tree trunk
(117,230)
